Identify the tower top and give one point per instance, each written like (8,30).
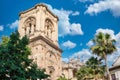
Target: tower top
(39,21)
(38,5)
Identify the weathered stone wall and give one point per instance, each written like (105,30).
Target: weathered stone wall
(41,26)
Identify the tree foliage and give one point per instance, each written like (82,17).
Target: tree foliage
(62,77)
(93,69)
(14,61)
(104,45)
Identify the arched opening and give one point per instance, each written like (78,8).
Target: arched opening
(51,58)
(74,72)
(29,26)
(51,71)
(48,28)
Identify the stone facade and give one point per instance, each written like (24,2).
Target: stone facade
(41,26)
(70,68)
(115,69)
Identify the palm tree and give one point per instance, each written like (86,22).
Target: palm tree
(103,45)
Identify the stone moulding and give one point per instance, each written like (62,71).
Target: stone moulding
(47,41)
(41,4)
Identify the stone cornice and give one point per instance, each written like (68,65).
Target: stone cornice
(116,61)
(114,67)
(40,4)
(47,41)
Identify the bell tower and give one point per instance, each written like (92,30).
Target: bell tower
(41,27)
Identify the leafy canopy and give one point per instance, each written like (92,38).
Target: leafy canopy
(62,77)
(93,69)
(14,61)
(104,45)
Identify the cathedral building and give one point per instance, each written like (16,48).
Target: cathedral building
(41,27)
(70,68)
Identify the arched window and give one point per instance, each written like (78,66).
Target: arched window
(30,25)
(51,70)
(30,28)
(25,30)
(48,28)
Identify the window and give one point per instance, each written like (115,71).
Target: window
(30,25)
(50,55)
(25,31)
(30,28)
(36,48)
(48,28)
(51,69)
(50,72)
(34,27)
(113,77)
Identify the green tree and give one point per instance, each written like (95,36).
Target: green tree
(5,40)
(93,69)
(14,61)
(104,45)
(97,68)
(83,73)
(62,77)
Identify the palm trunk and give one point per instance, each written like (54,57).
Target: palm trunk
(107,68)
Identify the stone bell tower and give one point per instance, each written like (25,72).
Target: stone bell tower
(41,26)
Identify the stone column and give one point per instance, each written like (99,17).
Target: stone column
(32,29)
(49,32)
(27,30)
(45,31)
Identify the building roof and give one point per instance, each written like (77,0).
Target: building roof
(114,67)
(73,64)
(116,64)
(40,4)
(116,61)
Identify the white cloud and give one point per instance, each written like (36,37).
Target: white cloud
(112,5)
(69,45)
(112,34)
(1,27)
(65,59)
(90,43)
(75,13)
(75,29)
(108,31)
(83,1)
(84,54)
(65,27)
(14,24)
(117,38)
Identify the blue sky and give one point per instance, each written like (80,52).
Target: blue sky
(79,22)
